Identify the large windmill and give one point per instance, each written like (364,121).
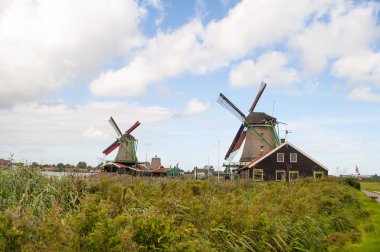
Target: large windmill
(257,129)
(126,142)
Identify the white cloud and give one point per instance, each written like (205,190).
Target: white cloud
(166,55)
(360,68)
(55,124)
(94,134)
(195,107)
(198,49)
(342,30)
(47,44)
(269,67)
(363,94)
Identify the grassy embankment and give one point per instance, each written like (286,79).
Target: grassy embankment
(119,213)
(370,228)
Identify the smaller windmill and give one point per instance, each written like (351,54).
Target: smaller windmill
(126,142)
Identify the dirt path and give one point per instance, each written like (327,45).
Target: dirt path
(371,194)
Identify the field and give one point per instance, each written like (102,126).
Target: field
(121,213)
(371,186)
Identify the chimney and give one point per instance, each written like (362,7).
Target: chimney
(283,140)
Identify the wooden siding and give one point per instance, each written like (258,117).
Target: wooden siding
(304,165)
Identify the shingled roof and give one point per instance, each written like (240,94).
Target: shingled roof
(259,118)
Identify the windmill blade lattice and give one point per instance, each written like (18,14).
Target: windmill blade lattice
(114,126)
(227,104)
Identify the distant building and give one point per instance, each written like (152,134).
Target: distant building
(160,172)
(156,163)
(175,172)
(203,173)
(5,163)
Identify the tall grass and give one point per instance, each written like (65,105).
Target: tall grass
(119,213)
(29,190)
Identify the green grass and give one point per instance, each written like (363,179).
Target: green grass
(369,227)
(122,213)
(371,186)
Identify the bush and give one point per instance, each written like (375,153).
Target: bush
(351,181)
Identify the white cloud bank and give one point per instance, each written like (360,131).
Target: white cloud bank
(197,48)
(56,124)
(315,32)
(269,67)
(47,44)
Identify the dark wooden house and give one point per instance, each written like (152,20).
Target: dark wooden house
(284,163)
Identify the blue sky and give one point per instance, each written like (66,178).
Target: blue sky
(66,66)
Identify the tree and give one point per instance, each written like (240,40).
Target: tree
(35,164)
(60,166)
(82,164)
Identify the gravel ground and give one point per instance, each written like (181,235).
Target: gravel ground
(371,194)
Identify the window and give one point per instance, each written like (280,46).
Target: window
(293,175)
(280,157)
(318,174)
(293,157)
(258,174)
(280,175)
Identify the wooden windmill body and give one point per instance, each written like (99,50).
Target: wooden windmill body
(257,131)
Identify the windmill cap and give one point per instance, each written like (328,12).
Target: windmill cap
(259,118)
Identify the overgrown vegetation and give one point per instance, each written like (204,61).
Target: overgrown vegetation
(120,213)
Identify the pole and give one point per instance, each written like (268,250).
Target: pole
(218,160)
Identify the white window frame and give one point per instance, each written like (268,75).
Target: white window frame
(283,157)
(318,172)
(281,171)
(258,171)
(290,157)
(294,172)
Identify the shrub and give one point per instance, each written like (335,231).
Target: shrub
(351,181)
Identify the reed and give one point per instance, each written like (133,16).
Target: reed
(119,213)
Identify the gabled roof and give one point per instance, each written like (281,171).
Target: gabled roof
(119,165)
(176,168)
(161,170)
(257,160)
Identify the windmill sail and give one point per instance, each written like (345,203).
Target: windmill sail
(114,126)
(234,143)
(134,126)
(227,104)
(110,148)
(262,88)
